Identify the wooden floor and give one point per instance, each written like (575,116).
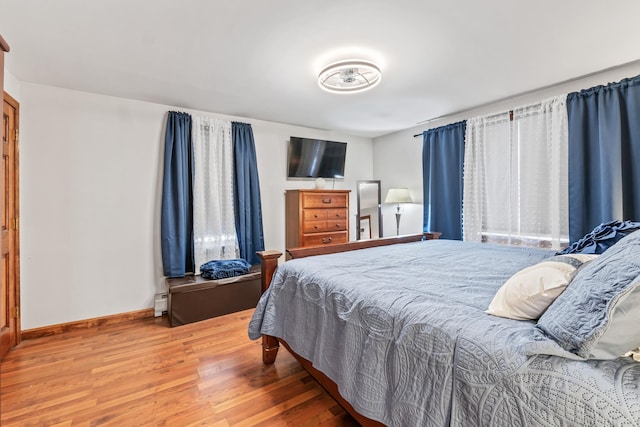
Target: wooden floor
(143,373)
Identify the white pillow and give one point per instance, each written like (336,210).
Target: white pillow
(635,354)
(529,292)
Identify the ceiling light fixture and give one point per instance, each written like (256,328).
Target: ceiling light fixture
(350,76)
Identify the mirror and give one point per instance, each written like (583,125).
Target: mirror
(369,215)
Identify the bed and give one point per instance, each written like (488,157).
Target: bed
(399,335)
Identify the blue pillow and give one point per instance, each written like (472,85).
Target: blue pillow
(601,238)
(598,314)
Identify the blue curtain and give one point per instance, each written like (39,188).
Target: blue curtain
(604,155)
(248,208)
(176,221)
(442,162)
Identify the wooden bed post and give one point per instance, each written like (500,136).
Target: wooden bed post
(268,264)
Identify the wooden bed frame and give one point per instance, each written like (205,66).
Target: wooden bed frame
(271,345)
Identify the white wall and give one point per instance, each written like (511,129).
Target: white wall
(91,174)
(397,157)
(11,85)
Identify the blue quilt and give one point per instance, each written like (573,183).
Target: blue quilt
(402,331)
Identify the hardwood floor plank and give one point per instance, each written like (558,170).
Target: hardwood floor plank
(316,411)
(44,413)
(271,411)
(144,373)
(284,395)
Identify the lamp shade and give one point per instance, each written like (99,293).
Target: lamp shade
(398,195)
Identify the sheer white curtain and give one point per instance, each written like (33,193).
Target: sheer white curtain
(214,231)
(515,176)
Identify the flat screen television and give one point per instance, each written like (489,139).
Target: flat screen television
(316,158)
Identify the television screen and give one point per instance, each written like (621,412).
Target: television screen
(315,158)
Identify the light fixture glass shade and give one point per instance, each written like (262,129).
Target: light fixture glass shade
(398,195)
(350,76)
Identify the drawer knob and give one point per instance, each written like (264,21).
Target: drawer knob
(327,240)
(315,226)
(337,225)
(315,215)
(327,201)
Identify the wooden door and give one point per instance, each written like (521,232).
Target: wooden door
(9,229)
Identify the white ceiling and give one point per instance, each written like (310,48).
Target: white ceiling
(260,59)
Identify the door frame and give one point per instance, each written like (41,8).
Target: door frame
(16,225)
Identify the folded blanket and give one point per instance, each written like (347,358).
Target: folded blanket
(223,268)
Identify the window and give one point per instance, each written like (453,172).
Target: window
(214,231)
(515,176)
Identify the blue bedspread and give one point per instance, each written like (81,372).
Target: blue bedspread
(403,333)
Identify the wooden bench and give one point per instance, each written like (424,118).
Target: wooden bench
(193,298)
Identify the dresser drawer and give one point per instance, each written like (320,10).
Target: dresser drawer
(336,225)
(337,214)
(314,227)
(324,239)
(314,215)
(324,226)
(324,200)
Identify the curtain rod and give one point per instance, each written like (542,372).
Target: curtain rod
(491,116)
(508,98)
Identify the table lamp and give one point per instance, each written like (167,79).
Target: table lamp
(398,196)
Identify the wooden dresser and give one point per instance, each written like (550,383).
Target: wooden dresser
(316,217)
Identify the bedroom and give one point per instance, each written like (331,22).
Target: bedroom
(93,167)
